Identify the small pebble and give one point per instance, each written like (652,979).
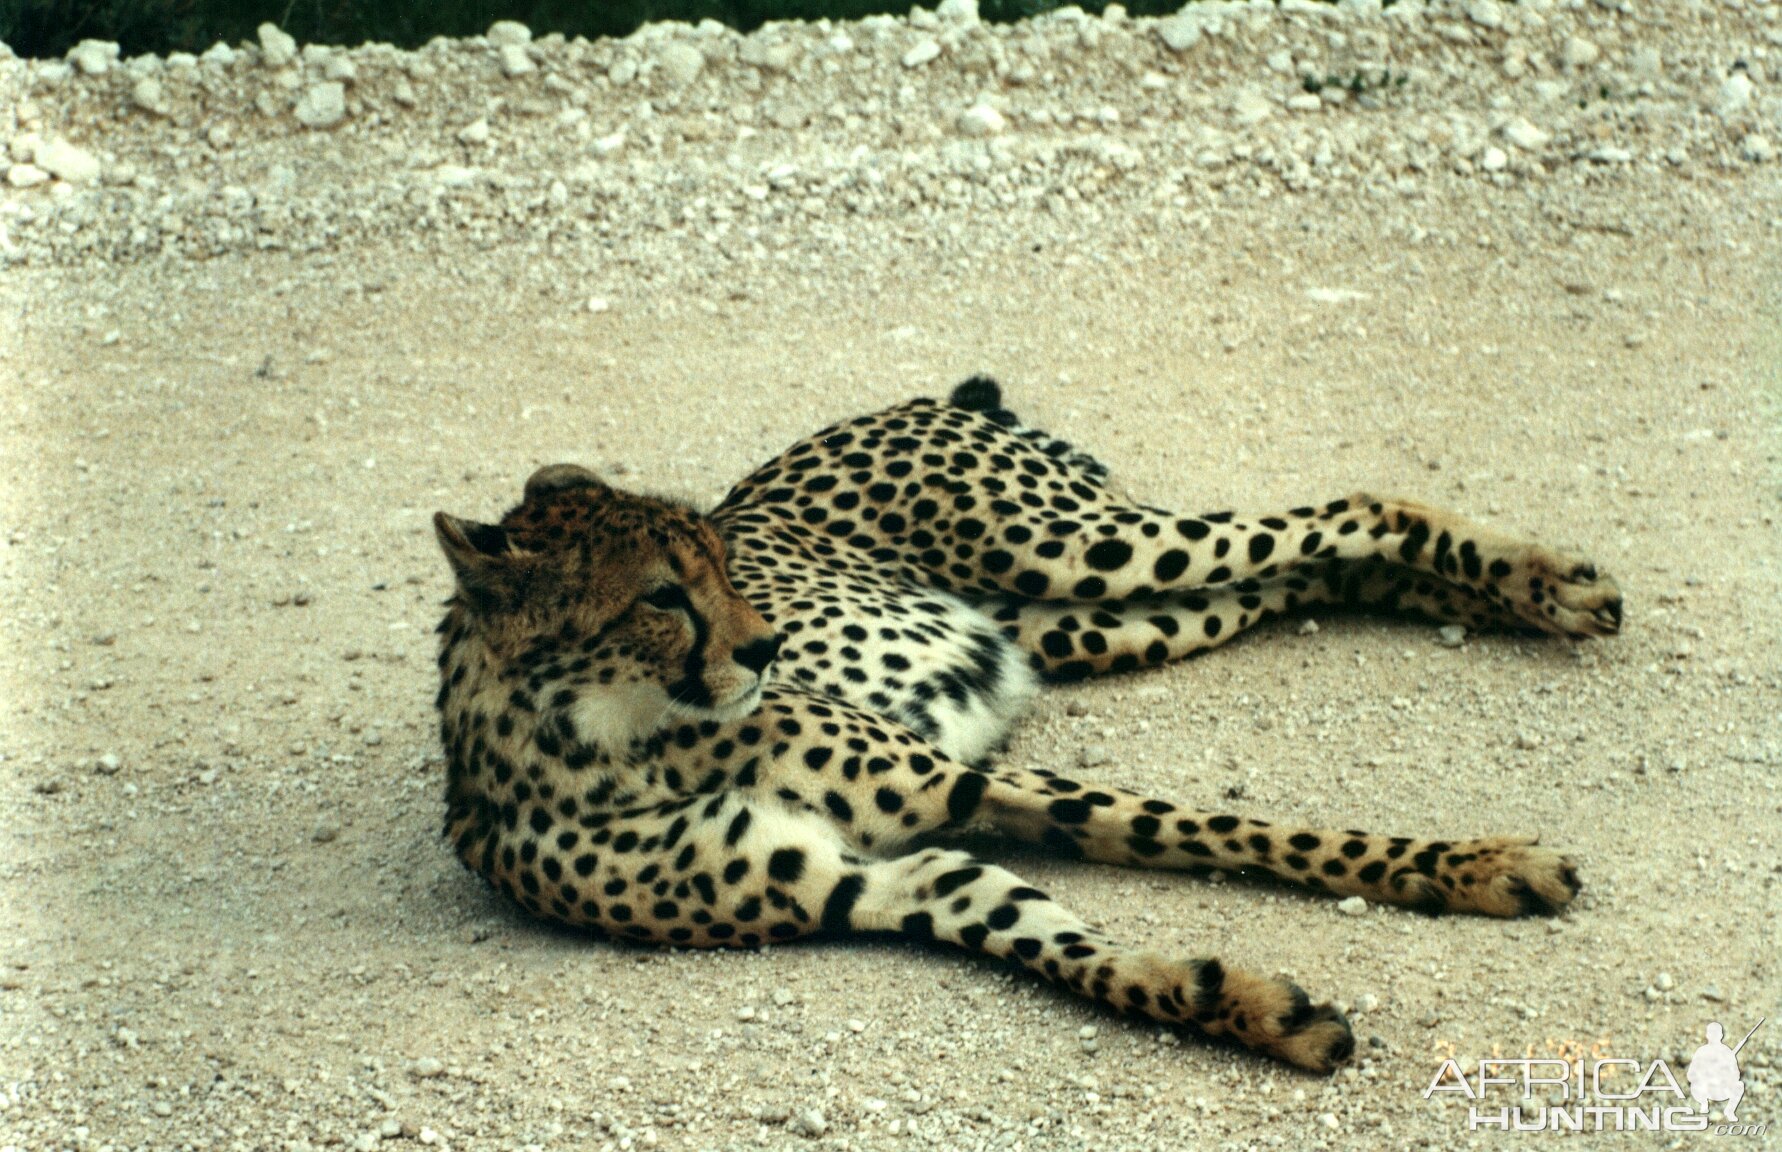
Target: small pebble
(1665,982)
(982,120)
(277,47)
(108,764)
(1451,635)
(925,51)
(515,60)
(1579,52)
(1352,906)
(93,57)
(322,105)
(1092,755)
(325,833)
(508,34)
(680,63)
(1308,627)
(68,162)
(428,1067)
(810,1122)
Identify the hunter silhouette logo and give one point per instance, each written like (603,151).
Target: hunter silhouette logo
(1714,1071)
(1606,1094)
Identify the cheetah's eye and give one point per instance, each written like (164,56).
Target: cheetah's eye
(668,598)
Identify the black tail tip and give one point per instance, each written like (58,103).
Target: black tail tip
(979,394)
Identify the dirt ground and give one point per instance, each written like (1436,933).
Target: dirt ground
(226,917)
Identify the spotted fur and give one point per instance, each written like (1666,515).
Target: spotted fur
(746,727)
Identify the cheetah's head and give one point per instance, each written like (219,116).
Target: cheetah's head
(611,610)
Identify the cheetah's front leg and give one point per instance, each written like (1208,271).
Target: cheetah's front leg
(947,895)
(736,871)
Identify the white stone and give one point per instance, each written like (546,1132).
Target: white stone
(508,33)
(1454,635)
(810,1122)
(776,56)
(340,66)
(1493,159)
(322,105)
(148,95)
(1304,102)
(428,1067)
(1251,107)
(1180,32)
(964,12)
(599,304)
(68,162)
(1352,906)
(1734,96)
(26,176)
(277,47)
(475,132)
(622,72)
(1579,52)
(1647,61)
(1609,154)
(680,63)
(607,145)
(1525,135)
(1280,60)
(1485,13)
(93,57)
(982,120)
(925,50)
(515,60)
(219,54)
(1757,149)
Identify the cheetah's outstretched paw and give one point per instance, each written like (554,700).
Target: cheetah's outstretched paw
(1278,1018)
(1564,595)
(1506,876)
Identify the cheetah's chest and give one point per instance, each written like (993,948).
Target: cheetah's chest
(853,631)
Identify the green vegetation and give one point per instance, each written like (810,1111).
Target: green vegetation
(47,28)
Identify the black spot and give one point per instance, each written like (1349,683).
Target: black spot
(888,800)
(1068,811)
(815,758)
(919,925)
(1108,555)
(1030,583)
(738,826)
(950,882)
(841,902)
(1003,917)
(786,865)
(967,794)
(1171,565)
(1261,545)
(838,806)
(1304,841)
(1090,588)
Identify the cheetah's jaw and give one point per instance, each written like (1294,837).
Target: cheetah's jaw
(734,709)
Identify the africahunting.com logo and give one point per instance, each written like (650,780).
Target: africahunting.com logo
(1604,1094)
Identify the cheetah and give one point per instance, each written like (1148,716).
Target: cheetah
(770,721)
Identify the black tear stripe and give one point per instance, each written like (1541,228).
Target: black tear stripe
(690,689)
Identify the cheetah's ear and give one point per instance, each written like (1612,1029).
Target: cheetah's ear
(479,555)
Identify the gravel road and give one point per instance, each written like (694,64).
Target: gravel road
(269,308)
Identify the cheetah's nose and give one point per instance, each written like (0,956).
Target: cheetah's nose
(758,654)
